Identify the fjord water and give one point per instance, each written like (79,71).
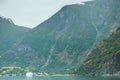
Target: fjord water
(59,78)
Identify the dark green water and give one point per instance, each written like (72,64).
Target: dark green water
(60,78)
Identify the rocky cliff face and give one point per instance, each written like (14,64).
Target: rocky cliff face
(105,16)
(105,58)
(65,40)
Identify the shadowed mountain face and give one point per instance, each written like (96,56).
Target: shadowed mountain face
(64,41)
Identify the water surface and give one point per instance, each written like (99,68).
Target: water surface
(59,78)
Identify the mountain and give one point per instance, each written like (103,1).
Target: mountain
(105,58)
(65,40)
(10,35)
(59,42)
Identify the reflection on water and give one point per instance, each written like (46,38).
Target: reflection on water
(59,78)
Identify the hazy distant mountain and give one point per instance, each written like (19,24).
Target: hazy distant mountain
(64,41)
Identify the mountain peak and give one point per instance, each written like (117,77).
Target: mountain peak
(7,20)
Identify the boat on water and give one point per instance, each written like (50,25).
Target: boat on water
(29,74)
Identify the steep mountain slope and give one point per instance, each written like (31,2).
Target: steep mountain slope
(10,34)
(65,40)
(59,42)
(105,16)
(105,58)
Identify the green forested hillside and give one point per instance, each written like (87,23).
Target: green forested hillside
(105,58)
(10,36)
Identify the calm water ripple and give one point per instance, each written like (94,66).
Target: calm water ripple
(59,78)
